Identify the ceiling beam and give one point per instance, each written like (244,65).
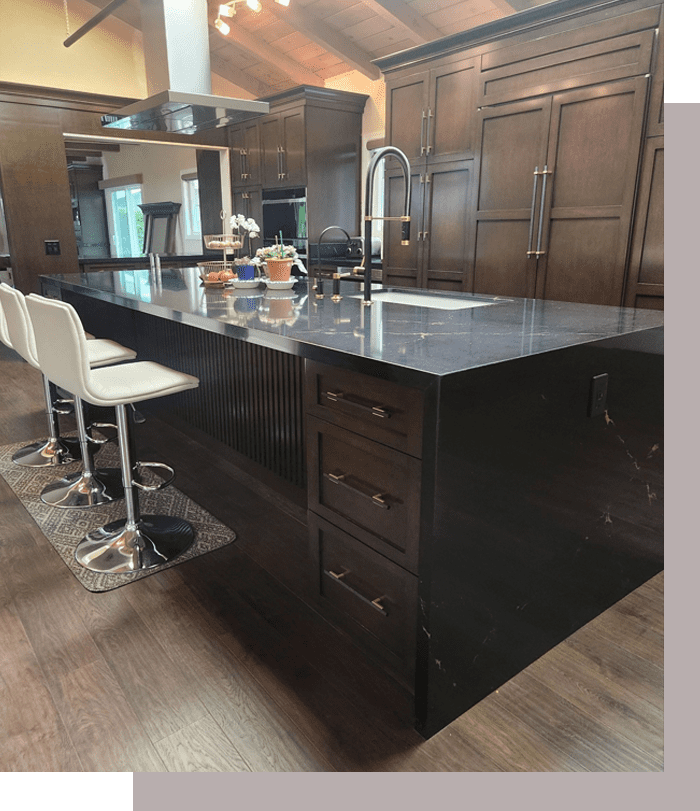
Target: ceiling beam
(262,51)
(238,77)
(402,16)
(327,37)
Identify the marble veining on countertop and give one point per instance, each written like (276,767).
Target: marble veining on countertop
(417,338)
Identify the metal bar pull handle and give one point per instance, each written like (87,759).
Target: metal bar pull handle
(241,156)
(423,119)
(338,577)
(279,164)
(283,163)
(375,411)
(428,147)
(539,251)
(339,478)
(535,175)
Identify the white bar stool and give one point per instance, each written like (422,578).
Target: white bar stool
(90,486)
(136,542)
(55,450)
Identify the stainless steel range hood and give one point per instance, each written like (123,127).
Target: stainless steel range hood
(178,75)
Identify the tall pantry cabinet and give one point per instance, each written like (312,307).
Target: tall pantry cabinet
(555,119)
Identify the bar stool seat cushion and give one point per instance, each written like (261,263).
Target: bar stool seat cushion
(144,380)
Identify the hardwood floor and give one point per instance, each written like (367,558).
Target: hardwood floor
(215,666)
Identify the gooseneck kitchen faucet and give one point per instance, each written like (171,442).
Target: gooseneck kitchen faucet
(405,219)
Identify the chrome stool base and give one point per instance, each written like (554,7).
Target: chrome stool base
(124,546)
(48,453)
(86,488)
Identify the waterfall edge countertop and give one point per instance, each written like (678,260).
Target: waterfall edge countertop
(511,497)
(454,333)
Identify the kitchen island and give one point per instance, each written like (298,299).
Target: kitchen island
(482,475)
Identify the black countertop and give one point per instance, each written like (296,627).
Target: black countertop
(456,333)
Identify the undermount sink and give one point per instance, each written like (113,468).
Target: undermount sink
(423,300)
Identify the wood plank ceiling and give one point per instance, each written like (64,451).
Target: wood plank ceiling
(313,40)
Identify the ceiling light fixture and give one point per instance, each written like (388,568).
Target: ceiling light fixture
(229,10)
(223,27)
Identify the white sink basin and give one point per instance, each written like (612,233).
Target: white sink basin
(422,300)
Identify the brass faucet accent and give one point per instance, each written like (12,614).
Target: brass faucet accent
(405,219)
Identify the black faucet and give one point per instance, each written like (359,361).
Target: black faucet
(405,219)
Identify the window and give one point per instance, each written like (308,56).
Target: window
(126,219)
(190,199)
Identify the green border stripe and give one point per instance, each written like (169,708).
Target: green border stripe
(67,791)
(682,51)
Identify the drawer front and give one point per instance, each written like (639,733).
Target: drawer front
(369,490)
(376,408)
(370,597)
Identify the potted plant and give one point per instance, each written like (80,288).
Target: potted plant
(245,266)
(279,259)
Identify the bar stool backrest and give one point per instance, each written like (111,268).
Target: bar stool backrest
(19,325)
(61,345)
(4,334)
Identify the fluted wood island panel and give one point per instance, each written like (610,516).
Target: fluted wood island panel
(484,474)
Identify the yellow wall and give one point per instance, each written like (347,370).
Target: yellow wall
(108,59)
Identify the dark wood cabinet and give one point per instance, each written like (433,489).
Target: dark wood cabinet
(311,138)
(248,201)
(556,190)
(244,142)
(283,148)
(646,275)
(430,112)
(438,253)
(552,105)
(365,475)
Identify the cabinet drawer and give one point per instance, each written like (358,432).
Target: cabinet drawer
(376,408)
(361,591)
(369,490)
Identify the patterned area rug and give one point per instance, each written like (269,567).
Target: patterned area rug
(65,528)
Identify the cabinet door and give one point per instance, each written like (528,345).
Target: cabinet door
(249,203)
(451,112)
(594,149)
(293,145)
(401,262)
(645,285)
(252,175)
(445,234)
(512,144)
(406,114)
(237,146)
(270,143)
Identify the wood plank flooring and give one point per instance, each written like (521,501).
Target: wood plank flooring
(216,666)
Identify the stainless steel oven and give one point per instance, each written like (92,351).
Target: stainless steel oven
(284,217)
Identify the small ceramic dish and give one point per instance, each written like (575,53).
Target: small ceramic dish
(280,285)
(246,284)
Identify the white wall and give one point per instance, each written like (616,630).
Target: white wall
(159,186)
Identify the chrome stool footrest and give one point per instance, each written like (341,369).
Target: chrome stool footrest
(91,439)
(152,488)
